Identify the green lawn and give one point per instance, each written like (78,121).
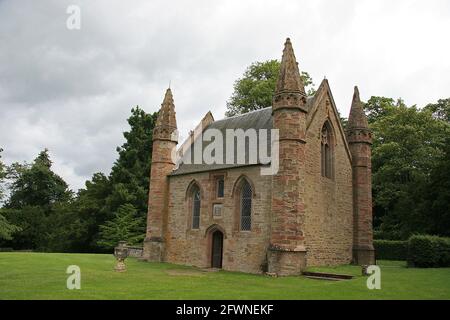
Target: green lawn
(42,276)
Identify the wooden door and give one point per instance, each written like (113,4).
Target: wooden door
(217,249)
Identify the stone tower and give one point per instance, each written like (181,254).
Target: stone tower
(287,253)
(360,140)
(165,139)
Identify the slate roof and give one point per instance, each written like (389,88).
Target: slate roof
(259,119)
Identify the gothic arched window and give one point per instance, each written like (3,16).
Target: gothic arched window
(327,151)
(246,195)
(196,203)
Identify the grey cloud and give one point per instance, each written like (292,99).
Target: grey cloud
(71,91)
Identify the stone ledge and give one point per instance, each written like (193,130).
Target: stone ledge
(281,249)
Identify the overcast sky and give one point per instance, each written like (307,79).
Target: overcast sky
(72,90)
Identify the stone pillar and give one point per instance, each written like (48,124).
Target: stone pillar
(360,141)
(164,144)
(287,253)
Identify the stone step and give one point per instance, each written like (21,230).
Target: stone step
(327,276)
(324,278)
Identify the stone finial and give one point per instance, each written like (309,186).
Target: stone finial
(166,123)
(357,118)
(166,114)
(289,79)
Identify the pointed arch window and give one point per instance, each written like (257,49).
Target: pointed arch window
(327,151)
(246,195)
(196,204)
(220,187)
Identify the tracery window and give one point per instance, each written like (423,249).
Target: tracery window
(246,196)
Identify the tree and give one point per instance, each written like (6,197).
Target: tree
(36,185)
(2,175)
(35,192)
(436,207)
(69,229)
(92,209)
(408,143)
(123,227)
(256,88)
(441,109)
(33,228)
(378,107)
(130,174)
(6,229)
(128,182)
(52,219)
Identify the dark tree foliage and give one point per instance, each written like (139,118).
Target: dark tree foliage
(2,176)
(34,193)
(6,228)
(408,146)
(130,175)
(436,205)
(125,226)
(36,184)
(91,207)
(52,219)
(128,183)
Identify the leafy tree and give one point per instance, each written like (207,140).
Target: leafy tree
(92,209)
(441,109)
(2,175)
(32,221)
(436,207)
(7,229)
(53,220)
(378,107)
(408,143)
(256,88)
(130,174)
(67,230)
(36,185)
(125,226)
(35,192)
(128,182)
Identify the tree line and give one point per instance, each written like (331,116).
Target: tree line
(40,212)
(410,164)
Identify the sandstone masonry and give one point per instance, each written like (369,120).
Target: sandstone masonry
(316,210)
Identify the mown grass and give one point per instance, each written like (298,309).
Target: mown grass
(43,276)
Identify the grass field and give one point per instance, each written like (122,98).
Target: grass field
(43,276)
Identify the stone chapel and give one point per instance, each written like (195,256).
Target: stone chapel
(316,210)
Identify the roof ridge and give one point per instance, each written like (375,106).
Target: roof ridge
(243,115)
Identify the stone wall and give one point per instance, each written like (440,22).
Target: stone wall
(242,250)
(135,252)
(329,202)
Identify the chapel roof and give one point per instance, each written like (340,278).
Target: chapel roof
(259,119)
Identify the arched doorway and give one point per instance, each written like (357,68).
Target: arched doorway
(216,249)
